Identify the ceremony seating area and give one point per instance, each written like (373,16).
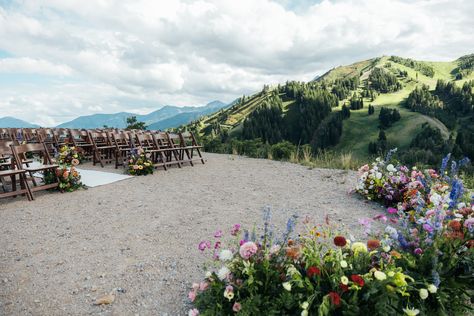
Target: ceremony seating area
(27,155)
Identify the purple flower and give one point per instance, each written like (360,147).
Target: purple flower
(418,251)
(428,228)
(235,230)
(204,244)
(218,234)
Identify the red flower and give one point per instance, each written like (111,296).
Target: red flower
(455,225)
(312,271)
(335,298)
(373,244)
(470,243)
(344,288)
(340,241)
(357,279)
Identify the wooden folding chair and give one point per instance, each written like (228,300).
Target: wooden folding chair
(81,139)
(103,150)
(121,141)
(8,170)
(178,147)
(190,145)
(148,142)
(44,167)
(167,149)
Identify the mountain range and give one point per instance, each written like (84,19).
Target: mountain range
(166,117)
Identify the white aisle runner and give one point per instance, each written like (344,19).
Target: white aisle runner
(92,178)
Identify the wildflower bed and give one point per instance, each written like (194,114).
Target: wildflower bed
(422,262)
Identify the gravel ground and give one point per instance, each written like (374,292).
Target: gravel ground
(62,251)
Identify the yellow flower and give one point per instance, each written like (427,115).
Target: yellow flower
(432,288)
(358,247)
(344,280)
(424,294)
(140,167)
(379,275)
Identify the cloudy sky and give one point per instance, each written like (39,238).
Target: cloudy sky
(63,58)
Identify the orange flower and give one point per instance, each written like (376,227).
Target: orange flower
(395,254)
(293,252)
(373,244)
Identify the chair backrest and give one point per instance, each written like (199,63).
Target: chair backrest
(20,151)
(5,147)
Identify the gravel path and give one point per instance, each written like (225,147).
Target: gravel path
(62,251)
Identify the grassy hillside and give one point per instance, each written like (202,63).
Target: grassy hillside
(360,128)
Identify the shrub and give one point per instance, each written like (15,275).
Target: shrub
(283,150)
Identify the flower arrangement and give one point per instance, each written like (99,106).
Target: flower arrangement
(70,155)
(68,178)
(421,262)
(139,163)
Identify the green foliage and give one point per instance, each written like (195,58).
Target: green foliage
(283,150)
(425,69)
(388,116)
(266,122)
(383,81)
(133,123)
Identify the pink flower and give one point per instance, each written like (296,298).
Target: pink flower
(418,251)
(195,286)
(192,296)
(392,210)
(248,249)
(217,245)
(203,286)
(235,230)
(204,244)
(193,312)
(218,234)
(381,217)
(429,213)
(236,308)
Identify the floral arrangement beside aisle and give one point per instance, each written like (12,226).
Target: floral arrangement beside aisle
(67,175)
(139,163)
(420,263)
(70,155)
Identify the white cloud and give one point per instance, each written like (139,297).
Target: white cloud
(137,55)
(33,66)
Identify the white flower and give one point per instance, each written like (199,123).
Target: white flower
(386,248)
(225,255)
(291,271)
(208,274)
(424,294)
(229,294)
(223,273)
(379,275)
(391,168)
(305,305)
(344,280)
(411,312)
(432,288)
(343,264)
(461,205)
(436,199)
(378,175)
(304,312)
(287,286)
